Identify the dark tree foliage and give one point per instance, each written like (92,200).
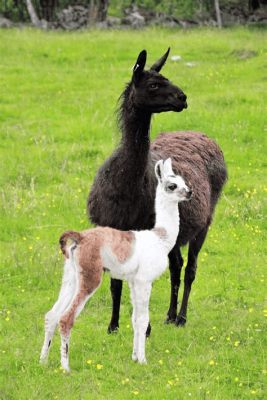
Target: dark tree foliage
(16,10)
(46,9)
(254,4)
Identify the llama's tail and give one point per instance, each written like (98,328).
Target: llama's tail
(76,237)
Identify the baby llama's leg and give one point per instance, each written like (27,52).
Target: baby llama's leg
(142,290)
(135,338)
(66,294)
(65,324)
(67,320)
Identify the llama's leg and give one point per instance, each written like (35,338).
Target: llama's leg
(142,291)
(135,336)
(66,323)
(52,317)
(190,273)
(175,266)
(115,288)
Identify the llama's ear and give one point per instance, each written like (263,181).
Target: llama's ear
(159,64)
(159,170)
(139,65)
(168,167)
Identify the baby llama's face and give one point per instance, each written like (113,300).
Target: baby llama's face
(176,187)
(173,185)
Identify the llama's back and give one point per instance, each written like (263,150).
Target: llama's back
(188,148)
(199,160)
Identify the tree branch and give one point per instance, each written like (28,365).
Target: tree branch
(218,13)
(32,13)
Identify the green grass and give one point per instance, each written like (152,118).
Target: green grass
(58,96)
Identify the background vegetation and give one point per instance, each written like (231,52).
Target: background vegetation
(17,10)
(58,95)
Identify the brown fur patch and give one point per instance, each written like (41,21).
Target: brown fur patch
(160,232)
(120,242)
(67,320)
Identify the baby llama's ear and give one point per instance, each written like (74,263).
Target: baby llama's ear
(168,167)
(159,170)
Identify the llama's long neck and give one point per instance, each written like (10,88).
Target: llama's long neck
(167,217)
(135,142)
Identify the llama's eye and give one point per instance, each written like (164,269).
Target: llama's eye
(172,186)
(153,86)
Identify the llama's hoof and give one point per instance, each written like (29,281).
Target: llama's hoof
(143,361)
(134,357)
(112,328)
(43,360)
(65,368)
(180,321)
(148,331)
(170,319)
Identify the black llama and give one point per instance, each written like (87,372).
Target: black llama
(123,192)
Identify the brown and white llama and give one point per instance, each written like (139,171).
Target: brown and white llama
(123,192)
(139,257)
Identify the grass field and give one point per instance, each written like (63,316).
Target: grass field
(58,96)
